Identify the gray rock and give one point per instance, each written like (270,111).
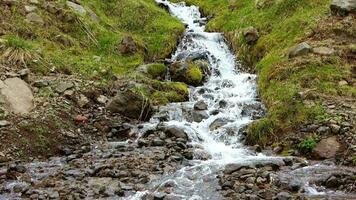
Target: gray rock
(4,123)
(29,9)
(230,168)
(63,86)
(299,50)
(158,142)
(200,105)
(327,148)
(323,130)
(131,105)
(102,99)
(218,123)
(198,116)
(16,96)
(324,51)
(174,131)
(78,8)
(251,35)
(343,7)
(41,83)
(83,100)
(34,18)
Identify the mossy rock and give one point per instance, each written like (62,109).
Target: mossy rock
(157,70)
(187,72)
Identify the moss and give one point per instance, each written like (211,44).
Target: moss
(157,70)
(194,75)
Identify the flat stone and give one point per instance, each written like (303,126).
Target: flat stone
(299,50)
(4,123)
(16,96)
(327,148)
(78,8)
(63,86)
(29,9)
(324,51)
(34,18)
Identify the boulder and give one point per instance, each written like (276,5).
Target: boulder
(34,18)
(76,7)
(174,131)
(186,72)
(199,115)
(218,123)
(299,50)
(327,148)
(343,7)
(200,105)
(233,167)
(16,96)
(131,105)
(251,35)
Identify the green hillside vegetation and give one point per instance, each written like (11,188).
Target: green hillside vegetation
(281,24)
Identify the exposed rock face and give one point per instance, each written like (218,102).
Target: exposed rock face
(343,7)
(16,96)
(301,49)
(251,35)
(131,105)
(327,148)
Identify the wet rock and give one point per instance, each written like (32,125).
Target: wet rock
(186,72)
(34,18)
(131,105)
(199,116)
(201,154)
(76,7)
(251,35)
(174,131)
(327,148)
(282,196)
(299,50)
(20,187)
(230,168)
(200,105)
(63,86)
(192,56)
(218,123)
(343,7)
(324,51)
(159,196)
(16,96)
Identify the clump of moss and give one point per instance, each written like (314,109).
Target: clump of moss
(157,70)
(194,75)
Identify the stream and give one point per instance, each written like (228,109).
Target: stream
(213,120)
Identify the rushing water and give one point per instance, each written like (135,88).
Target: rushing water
(236,90)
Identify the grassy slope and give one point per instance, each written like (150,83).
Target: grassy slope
(75,43)
(281,25)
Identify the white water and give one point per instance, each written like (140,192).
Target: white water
(226,83)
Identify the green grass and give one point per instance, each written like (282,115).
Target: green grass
(281,25)
(72,43)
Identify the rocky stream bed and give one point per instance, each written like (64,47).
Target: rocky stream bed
(190,150)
